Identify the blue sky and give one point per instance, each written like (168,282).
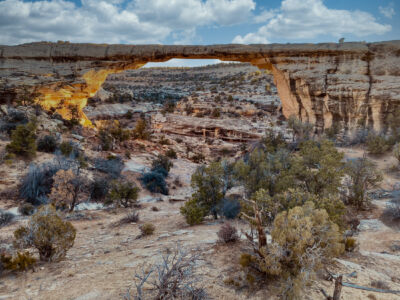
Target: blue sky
(198,21)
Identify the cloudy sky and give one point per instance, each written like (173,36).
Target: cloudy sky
(198,21)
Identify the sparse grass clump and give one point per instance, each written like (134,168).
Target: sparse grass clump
(132,217)
(48,233)
(147,229)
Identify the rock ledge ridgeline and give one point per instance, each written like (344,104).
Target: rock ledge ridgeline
(352,84)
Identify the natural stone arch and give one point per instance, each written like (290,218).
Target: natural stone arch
(355,82)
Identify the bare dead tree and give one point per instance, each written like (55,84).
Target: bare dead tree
(257,221)
(171,278)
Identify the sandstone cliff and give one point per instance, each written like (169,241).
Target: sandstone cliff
(350,83)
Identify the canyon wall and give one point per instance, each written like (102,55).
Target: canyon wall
(351,84)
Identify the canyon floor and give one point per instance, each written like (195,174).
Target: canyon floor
(219,111)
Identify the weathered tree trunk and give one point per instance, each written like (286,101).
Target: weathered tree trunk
(338,288)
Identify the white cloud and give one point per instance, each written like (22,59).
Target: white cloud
(264,16)
(387,11)
(308,19)
(102,21)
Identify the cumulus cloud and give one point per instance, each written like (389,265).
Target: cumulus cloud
(307,19)
(387,11)
(116,21)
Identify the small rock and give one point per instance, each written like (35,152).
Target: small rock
(78,137)
(149,199)
(89,296)
(164,235)
(182,232)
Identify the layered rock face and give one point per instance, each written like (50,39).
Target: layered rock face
(351,84)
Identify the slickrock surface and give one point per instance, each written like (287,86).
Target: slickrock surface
(351,83)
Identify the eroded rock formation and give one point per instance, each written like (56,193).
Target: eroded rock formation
(350,83)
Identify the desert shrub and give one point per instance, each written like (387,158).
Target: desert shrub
(164,141)
(129,115)
(361,176)
(332,132)
(319,168)
(376,144)
(350,244)
(303,240)
(293,197)
(198,158)
(111,132)
(379,284)
(172,278)
(67,187)
(229,208)
(23,140)
(48,233)
(301,131)
(154,181)
(216,113)
(122,193)
(393,122)
(171,153)
(141,130)
(26,209)
(112,167)
(227,233)
(169,107)
(208,185)
(66,148)
(193,212)
(99,189)
(38,181)
(12,120)
(47,143)
(106,140)
(6,218)
(273,141)
(392,209)
(162,162)
(261,169)
(22,261)
(147,229)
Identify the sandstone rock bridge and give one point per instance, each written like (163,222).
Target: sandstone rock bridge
(349,83)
